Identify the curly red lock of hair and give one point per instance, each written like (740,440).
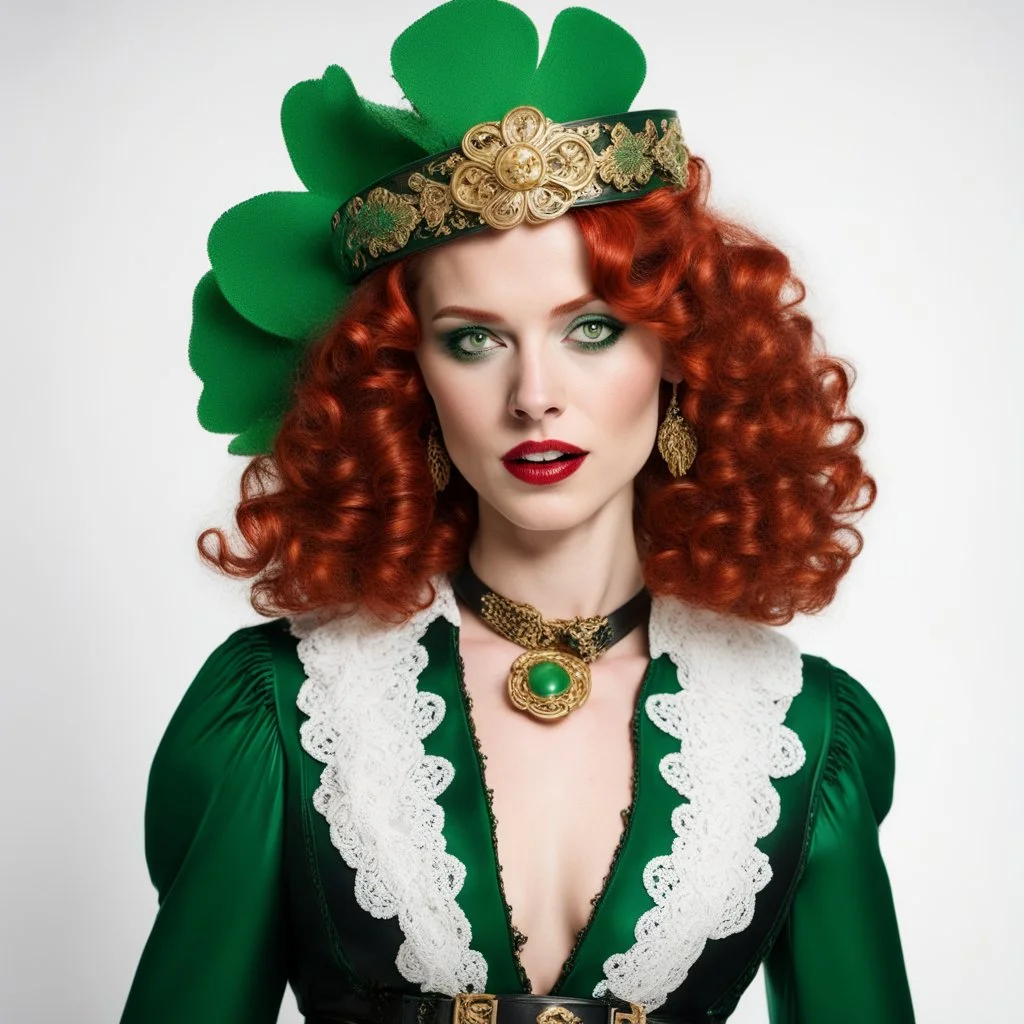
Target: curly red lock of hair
(343,513)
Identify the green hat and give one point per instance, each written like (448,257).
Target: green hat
(515,141)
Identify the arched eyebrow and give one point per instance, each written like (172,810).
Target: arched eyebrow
(469,313)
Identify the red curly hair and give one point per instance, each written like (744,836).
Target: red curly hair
(343,514)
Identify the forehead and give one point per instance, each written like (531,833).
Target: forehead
(520,268)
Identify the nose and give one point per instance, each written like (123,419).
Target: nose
(538,388)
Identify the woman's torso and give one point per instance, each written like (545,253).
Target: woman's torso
(318,814)
(560,817)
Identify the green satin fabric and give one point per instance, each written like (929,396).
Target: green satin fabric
(253,894)
(467,831)
(214,842)
(837,958)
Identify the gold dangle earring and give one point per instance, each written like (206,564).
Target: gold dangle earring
(677,441)
(438,463)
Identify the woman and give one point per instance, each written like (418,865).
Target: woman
(525,748)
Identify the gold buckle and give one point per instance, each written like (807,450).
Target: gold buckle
(475,1008)
(635,1015)
(557,1015)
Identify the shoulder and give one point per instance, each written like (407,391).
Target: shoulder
(242,668)
(859,744)
(231,700)
(221,751)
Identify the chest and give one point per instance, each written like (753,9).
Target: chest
(403,740)
(560,792)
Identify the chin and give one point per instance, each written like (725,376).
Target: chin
(545,510)
(544,522)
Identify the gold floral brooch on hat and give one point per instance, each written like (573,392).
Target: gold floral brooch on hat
(525,169)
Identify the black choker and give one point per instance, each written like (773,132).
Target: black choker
(552,678)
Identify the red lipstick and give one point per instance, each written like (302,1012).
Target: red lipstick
(569,459)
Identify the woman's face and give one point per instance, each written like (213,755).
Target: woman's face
(516,350)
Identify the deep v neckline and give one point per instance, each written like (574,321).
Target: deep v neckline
(516,937)
(403,794)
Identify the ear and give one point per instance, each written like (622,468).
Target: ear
(670,369)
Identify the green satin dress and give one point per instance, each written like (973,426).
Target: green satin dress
(254,895)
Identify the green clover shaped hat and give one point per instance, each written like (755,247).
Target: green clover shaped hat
(519,142)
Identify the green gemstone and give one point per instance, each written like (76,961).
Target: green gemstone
(548,679)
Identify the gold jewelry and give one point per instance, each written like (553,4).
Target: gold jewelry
(524,169)
(636,1014)
(677,441)
(438,462)
(475,1008)
(557,1015)
(552,677)
(465,103)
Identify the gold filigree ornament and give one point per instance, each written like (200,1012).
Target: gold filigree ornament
(636,1014)
(677,441)
(438,461)
(629,161)
(552,677)
(558,1015)
(380,223)
(670,153)
(525,169)
(475,1008)
(547,680)
(548,683)
(435,202)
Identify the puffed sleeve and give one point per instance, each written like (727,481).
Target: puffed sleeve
(214,821)
(838,958)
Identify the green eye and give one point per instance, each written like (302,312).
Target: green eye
(470,342)
(594,332)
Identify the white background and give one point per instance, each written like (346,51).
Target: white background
(879,144)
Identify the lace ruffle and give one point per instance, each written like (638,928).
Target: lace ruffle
(379,789)
(737,680)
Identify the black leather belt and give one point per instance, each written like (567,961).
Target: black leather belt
(510,1009)
(527,1009)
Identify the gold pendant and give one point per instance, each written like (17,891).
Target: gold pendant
(548,683)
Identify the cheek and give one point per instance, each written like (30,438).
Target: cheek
(461,405)
(633,403)
(437,382)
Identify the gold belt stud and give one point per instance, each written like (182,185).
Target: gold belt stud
(636,1015)
(558,1015)
(475,1008)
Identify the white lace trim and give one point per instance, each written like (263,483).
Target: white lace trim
(737,680)
(378,792)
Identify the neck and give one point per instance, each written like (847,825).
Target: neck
(587,570)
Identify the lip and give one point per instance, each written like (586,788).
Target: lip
(533,447)
(540,473)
